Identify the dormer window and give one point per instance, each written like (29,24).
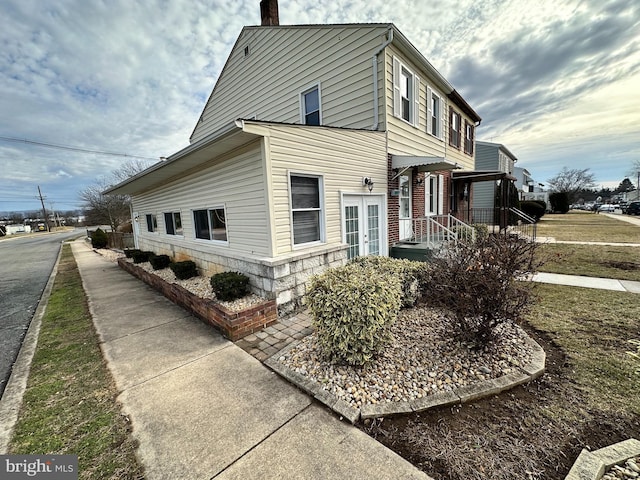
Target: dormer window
(310,111)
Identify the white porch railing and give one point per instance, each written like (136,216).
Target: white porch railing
(437,229)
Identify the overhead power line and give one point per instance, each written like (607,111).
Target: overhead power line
(71,148)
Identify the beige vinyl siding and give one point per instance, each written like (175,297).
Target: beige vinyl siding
(341,157)
(236,182)
(282,62)
(405,139)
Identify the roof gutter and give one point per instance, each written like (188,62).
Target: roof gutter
(374,64)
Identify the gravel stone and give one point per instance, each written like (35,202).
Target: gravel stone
(422,360)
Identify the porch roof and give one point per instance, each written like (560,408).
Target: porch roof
(482,176)
(423,164)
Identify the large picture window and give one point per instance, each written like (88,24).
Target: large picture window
(173,223)
(306,209)
(210,224)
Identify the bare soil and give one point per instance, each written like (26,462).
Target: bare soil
(535,431)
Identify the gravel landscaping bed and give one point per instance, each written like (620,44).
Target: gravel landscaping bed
(199,286)
(422,359)
(630,469)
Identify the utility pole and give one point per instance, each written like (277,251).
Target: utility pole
(44,210)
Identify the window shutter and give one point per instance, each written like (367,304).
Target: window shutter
(443,109)
(450,126)
(396,88)
(427,192)
(440,194)
(416,101)
(429,110)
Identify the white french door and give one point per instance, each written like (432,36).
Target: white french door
(363,224)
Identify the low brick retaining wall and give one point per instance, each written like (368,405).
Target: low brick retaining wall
(234,325)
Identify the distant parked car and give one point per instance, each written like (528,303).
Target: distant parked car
(633,208)
(606,208)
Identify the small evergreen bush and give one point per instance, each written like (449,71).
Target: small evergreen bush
(99,239)
(128,252)
(532,208)
(353,307)
(559,202)
(229,286)
(158,262)
(184,270)
(141,256)
(409,272)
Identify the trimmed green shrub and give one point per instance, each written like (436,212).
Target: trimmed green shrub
(99,239)
(141,256)
(128,252)
(229,286)
(559,202)
(353,307)
(158,262)
(533,209)
(184,270)
(409,272)
(482,231)
(542,203)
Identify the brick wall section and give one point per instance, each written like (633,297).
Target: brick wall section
(233,325)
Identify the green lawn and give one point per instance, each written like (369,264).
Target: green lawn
(70,404)
(622,263)
(587,227)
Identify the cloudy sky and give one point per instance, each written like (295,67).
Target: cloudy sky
(556,81)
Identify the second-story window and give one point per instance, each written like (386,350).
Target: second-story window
(468,137)
(406,93)
(435,108)
(454,128)
(310,106)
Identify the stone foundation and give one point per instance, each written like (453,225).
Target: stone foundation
(283,279)
(234,325)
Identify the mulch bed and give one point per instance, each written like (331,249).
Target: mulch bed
(515,435)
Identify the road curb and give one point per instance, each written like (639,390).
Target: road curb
(11,400)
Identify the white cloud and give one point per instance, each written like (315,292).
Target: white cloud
(555,81)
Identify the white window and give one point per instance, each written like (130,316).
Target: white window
(152,223)
(406,93)
(310,111)
(434,195)
(306,208)
(210,224)
(435,113)
(173,223)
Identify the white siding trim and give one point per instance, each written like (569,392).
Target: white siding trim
(397,111)
(440,194)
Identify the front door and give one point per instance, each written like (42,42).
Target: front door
(404,213)
(363,224)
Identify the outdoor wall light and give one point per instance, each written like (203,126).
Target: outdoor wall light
(367,182)
(419,181)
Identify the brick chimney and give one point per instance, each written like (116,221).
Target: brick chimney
(269,12)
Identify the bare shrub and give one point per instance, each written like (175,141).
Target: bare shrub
(480,282)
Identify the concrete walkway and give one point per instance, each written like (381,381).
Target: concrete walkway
(203,408)
(587,282)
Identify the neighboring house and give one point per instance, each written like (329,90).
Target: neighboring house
(318,143)
(528,188)
(498,163)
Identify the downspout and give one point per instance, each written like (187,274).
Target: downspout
(375,76)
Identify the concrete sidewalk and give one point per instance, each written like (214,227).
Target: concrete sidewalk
(203,408)
(587,282)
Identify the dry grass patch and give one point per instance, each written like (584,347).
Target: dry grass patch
(587,227)
(622,263)
(70,404)
(589,397)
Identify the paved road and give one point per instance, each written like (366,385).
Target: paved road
(25,266)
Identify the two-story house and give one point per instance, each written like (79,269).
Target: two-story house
(318,143)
